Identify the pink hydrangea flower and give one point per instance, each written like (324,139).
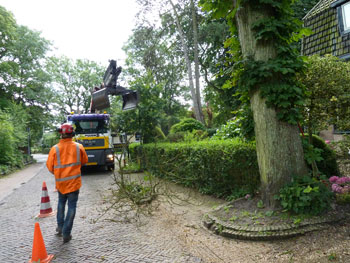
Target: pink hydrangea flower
(336,188)
(327,141)
(340,185)
(333,179)
(343,180)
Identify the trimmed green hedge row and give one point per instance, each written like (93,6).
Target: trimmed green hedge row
(220,168)
(224,168)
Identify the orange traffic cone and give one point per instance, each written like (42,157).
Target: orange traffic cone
(39,250)
(45,206)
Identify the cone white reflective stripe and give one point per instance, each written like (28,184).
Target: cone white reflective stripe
(45,206)
(44,193)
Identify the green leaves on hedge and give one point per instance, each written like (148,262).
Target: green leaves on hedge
(213,167)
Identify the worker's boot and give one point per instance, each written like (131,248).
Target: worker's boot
(58,231)
(67,239)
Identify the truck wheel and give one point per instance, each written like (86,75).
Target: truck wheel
(111,167)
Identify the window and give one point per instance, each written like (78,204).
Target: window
(90,126)
(345,10)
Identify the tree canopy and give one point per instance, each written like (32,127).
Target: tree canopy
(327,81)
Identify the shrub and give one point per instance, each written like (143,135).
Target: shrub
(228,131)
(213,167)
(342,148)
(4,169)
(176,137)
(327,165)
(211,131)
(7,140)
(49,140)
(195,135)
(305,195)
(242,125)
(187,125)
(159,134)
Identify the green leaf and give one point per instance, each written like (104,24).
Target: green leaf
(308,189)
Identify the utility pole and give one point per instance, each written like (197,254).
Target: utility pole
(28,130)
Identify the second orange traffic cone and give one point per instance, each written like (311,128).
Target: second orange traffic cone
(45,206)
(39,250)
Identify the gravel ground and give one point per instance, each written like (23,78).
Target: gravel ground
(184,223)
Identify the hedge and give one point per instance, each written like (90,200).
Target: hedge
(328,166)
(219,168)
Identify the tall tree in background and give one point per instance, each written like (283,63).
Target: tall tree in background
(216,63)
(302,7)
(29,80)
(153,62)
(25,81)
(327,80)
(24,90)
(175,16)
(61,70)
(195,89)
(87,75)
(193,8)
(149,114)
(8,34)
(73,82)
(268,78)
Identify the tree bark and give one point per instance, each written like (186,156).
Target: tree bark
(196,59)
(278,144)
(196,105)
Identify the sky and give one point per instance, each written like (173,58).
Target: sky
(85,29)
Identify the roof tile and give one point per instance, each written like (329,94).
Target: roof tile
(319,7)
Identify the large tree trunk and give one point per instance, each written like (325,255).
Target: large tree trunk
(278,144)
(196,59)
(196,103)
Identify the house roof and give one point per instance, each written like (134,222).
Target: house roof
(326,37)
(318,8)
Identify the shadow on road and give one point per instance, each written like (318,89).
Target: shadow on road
(94,170)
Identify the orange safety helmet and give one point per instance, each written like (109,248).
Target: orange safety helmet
(66,128)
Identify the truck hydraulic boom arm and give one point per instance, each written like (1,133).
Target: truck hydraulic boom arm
(99,97)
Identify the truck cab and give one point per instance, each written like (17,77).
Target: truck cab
(93,132)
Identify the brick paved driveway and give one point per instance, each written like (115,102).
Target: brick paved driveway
(92,242)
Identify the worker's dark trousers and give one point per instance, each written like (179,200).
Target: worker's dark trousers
(66,223)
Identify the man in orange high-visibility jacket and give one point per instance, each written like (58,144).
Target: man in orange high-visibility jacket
(65,161)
